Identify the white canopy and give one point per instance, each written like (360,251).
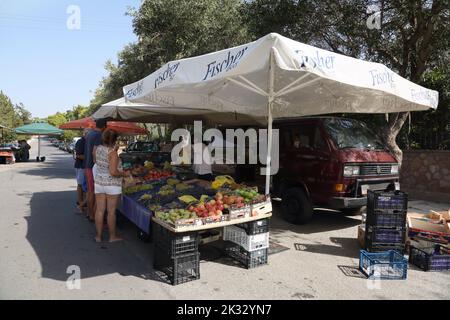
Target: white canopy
(276,77)
(306,81)
(122,109)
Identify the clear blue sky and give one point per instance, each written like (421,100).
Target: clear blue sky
(49,67)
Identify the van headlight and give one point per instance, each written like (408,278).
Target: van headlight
(394,169)
(350,171)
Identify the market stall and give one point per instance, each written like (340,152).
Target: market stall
(177,212)
(39,129)
(271,78)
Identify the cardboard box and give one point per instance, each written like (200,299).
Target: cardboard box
(431,231)
(444,215)
(362,236)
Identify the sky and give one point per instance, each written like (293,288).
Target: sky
(51,60)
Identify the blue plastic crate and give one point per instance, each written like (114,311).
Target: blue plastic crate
(383,265)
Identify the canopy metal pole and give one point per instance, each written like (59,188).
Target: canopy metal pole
(269,121)
(39,146)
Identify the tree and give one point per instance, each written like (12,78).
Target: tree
(413,35)
(12,116)
(57,119)
(170,30)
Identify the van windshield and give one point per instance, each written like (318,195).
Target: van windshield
(348,133)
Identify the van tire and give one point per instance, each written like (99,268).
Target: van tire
(296,206)
(353,211)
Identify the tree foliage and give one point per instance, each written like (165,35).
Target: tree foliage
(12,116)
(413,38)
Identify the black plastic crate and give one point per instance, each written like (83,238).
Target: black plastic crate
(382,247)
(182,269)
(386,202)
(248,259)
(435,258)
(386,220)
(376,236)
(255,227)
(175,244)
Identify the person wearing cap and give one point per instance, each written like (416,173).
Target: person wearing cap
(93,138)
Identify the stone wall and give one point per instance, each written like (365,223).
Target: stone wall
(425,174)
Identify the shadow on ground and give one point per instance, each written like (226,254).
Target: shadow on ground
(57,166)
(322,221)
(344,247)
(62,238)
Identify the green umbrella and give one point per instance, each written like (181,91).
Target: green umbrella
(39,128)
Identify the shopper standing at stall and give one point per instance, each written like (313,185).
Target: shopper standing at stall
(79,171)
(93,138)
(108,184)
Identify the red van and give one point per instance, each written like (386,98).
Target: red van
(330,162)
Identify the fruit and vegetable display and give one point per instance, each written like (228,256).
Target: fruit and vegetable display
(137,188)
(174,215)
(180,203)
(157,174)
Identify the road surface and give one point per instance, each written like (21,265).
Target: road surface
(41,236)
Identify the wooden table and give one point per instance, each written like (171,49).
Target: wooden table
(210,225)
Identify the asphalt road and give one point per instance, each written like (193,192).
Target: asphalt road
(41,235)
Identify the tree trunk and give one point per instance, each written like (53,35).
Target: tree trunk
(390,132)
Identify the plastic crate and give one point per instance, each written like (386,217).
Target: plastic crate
(386,202)
(182,269)
(385,236)
(435,258)
(249,243)
(175,244)
(384,265)
(386,220)
(248,259)
(255,227)
(381,247)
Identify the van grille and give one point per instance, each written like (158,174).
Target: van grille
(375,169)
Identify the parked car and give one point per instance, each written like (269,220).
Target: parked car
(330,162)
(145,151)
(7,153)
(62,146)
(71,147)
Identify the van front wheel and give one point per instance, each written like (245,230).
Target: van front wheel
(296,206)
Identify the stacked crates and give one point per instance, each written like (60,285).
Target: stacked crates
(176,254)
(248,243)
(386,221)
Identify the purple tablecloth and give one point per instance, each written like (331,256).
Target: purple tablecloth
(137,213)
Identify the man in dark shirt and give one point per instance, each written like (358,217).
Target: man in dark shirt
(93,138)
(79,169)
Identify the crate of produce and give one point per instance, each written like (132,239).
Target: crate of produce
(382,219)
(249,243)
(255,227)
(175,244)
(385,236)
(387,202)
(239,212)
(436,258)
(383,265)
(178,270)
(248,259)
(261,207)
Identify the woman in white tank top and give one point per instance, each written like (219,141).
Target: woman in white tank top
(108,184)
